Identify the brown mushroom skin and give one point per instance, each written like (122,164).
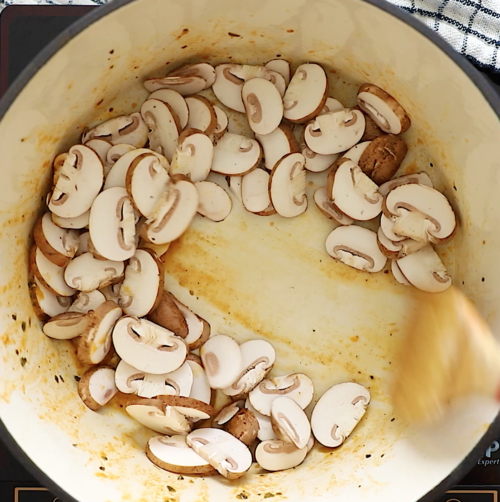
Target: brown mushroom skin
(48,251)
(372,130)
(244,426)
(383,157)
(169,316)
(83,388)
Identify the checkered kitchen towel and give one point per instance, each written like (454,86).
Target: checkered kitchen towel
(472,27)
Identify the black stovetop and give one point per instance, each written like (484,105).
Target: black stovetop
(24,31)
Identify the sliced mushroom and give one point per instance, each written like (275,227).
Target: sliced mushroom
(277,144)
(356,152)
(147,346)
(398,249)
(57,165)
(129,129)
(184,85)
(168,315)
(420,213)
(354,193)
(164,126)
(425,270)
(66,326)
(234,183)
(176,102)
(159,249)
(97,387)
(317,163)
(407,179)
(115,153)
(57,244)
(50,275)
(398,275)
(86,273)
(142,288)
(214,202)
(338,412)
(263,105)
(95,343)
(154,414)
(244,426)
(280,66)
(372,130)
(172,454)
(228,412)
(204,70)
(198,328)
(189,407)
(236,155)
(266,430)
(193,156)
(296,386)
(258,358)
(255,192)
(202,115)
(76,223)
(227,87)
(112,291)
(222,123)
(290,422)
(357,247)
(335,132)
(306,94)
(332,105)
(130,380)
(329,209)
(387,226)
(201,388)
(250,72)
(222,360)
(278,455)
(227,454)
(78,184)
(85,302)
(45,302)
(287,186)
(385,111)
(101,147)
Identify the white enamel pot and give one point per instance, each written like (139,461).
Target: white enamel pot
(252,276)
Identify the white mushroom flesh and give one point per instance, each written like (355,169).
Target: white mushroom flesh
(102,386)
(201,114)
(227,87)
(276,145)
(222,360)
(222,122)
(280,66)
(193,157)
(101,147)
(214,202)
(63,243)
(277,455)
(50,275)
(332,105)
(85,302)
(266,430)
(355,152)
(166,421)
(77,223)
(255,191)
(291,421)
(398,275)
(48,302)
(317,163)
(200,389)
(176,102)
(184,85)
(417,178)
(235,155)
(129,129)
(328,208)
(381,113)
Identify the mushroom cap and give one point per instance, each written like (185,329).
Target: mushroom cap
(202,115)
(222,360)
(228,412)
(416,178)
(85,302)
(227,454)
(306,94)
(287,186)
(214,202)
(66,326)
(290,422)
(425,270)
(201,389)
(112,225)
(168,315)
(204,70)
(280,66)
(263,105)
(222,123)
(384,110)
(198,330)
(77,223)
(79,183)
(176,102)
(317,163)
(277,144)
(255,191)
(189,407)
(278,455)
(244,426)
(173,454)
(147,346)
(296,386)
(184,85)
(100,146)
(338,412)
(266,430)
(357,247)
(129,129)
(45,302)
(227,87)
(398,275)
(97,387)
(329,209)
(335,132)
(235,155)
(356,152)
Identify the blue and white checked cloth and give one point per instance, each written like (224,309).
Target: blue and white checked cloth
(471,27)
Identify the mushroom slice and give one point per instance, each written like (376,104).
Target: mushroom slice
(306,94)
(398,275)
(147,346)
(397,249)
(115,153)
(387,226)
(176,102)
(222,123)
(357,247)
(184,85)
(57,244)
(420,213)
(129,129)
(204,70)
(147,183)
(227,87)
(407,179)
(332,105)
(101,147)
(201,388)
(338,412)
(263,105)
(356,152)
(425,270)
(227,454)
(277,144)
(244,426)
(329,209)
(189,407)
(354,193)
(287,186)
(193,156)
(317,163)
(155,415)
(97,387)
(76,223)
(214,201)
(66,326)
(266,430)
(112,292)
(258,358)
(222,360)
(112,225)
(335,132)
(280,66)
(278,455)
(236,155)
(172,454)
(234,183)
(50,275)
(45,302)
(79,183)
(130,380)
(169,315)
(385,111)
(87,273)
(85,302)
(290,422)
(142,288)
(164,126)
(250,72)
(382,157)
(296,386)
(255,192)
(228,412)
(202,115)
(83,243)
(159,249)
